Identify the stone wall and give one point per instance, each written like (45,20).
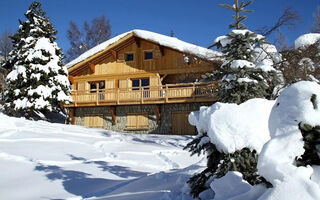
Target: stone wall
(121,112)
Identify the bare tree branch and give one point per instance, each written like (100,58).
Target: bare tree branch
(316,21)
(91,35)
(289,18)
(5,44)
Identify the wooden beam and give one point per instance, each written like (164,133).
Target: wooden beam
(92,67)
(161,50)
(114,54)
(71,79)
(158,113)
(165,75)
(113,115)
(137,41)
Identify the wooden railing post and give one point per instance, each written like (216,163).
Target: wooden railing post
(118,96)
(97,93)
(167,93)
(75,97)
(141,94)
(194,90)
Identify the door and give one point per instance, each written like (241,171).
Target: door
(180,124)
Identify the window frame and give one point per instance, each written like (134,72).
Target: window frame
(126,56)
(145,53)
(140,83)
(97,86)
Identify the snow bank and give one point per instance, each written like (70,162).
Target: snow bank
(157,38)
(277,158)
(233,187)
(306,40)
(232,127)
(41,160)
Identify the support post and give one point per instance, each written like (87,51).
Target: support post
(113,115)
(158,113)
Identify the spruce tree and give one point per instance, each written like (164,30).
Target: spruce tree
(38,81)
(241,78)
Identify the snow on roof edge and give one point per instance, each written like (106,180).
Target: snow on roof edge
(160,39)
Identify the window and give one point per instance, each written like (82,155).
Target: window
(137,121)
(142,82)
(98,86)
(148,55)
(129,57)
(94,86)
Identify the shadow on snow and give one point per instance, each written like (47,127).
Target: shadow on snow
(82,184)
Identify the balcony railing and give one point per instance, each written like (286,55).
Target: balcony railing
(169,93)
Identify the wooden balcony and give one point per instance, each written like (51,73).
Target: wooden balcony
(170,93)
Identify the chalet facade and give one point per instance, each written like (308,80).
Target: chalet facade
(141,82)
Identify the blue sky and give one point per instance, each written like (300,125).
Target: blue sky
(194,21)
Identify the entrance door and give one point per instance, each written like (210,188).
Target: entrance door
(180,124)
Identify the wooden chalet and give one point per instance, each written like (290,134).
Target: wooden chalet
(141,82)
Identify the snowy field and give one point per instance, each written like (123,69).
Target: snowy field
(40,160)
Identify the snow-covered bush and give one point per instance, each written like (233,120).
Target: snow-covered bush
(286,135)
(38,81)
(290,160)
(234,135)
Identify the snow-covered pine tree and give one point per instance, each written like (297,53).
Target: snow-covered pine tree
(244,75)
(39,81)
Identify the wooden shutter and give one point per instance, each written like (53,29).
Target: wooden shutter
(110,90)
(157,53)
(123,83)
(137,121)
(93,121)
(131,121)
(110,84)
(81,86)
(143,121)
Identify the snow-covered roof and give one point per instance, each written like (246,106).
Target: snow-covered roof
(160,39)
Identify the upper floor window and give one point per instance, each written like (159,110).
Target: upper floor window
(94,86)
(143,82)
(148,55)
(129,57)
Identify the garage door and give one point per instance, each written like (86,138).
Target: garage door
(180,124)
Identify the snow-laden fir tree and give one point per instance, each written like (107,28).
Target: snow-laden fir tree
(38,81)
(246,73)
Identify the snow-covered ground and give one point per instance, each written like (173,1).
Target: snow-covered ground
(41,160)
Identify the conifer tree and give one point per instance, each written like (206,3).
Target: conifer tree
(242,76)
(38,81)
